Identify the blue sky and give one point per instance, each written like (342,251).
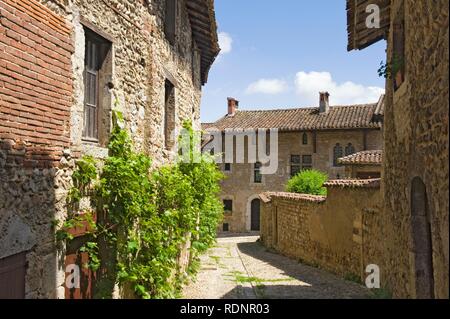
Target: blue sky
(282,53)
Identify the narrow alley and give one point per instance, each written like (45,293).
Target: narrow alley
(241,268)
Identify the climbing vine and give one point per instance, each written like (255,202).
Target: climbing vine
(145,216)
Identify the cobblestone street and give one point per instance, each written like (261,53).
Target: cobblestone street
(241,268)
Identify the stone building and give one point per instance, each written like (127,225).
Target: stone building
(363,165)
(64,66)
(307,138)
(413,239)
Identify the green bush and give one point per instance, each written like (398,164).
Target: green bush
(146,216)
(308,182)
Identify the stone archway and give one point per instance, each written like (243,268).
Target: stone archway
(422,241)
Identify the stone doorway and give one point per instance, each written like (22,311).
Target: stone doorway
(422,241)
(255,215)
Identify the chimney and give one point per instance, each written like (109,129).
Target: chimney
(233,106)
(324,102)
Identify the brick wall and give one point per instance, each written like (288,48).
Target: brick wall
(35,83)
(333,232)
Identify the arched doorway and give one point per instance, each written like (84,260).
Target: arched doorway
(255,215)
(422,241)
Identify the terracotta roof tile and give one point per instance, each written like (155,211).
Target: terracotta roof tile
(354,183)
(304,119)
(374,157)
(267,197)
(206,126)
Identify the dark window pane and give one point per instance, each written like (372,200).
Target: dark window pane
(257,178)
(305,139)
(226,227)
(170,20)
(349,150)
(307,159)
(338,152)
(228,205)
(227,167)
(295,169)
(295,159)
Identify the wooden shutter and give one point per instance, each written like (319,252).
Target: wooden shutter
(170,20)
(12,276)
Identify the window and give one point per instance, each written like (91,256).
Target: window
(228,205)
(306,162)
(305,139)
(95,72)
(398,58)
(170,21)
(296,165)
(257,177)
(169,114)
(349,149)
(338,152)
(226,227)
(268,142)
(227,167)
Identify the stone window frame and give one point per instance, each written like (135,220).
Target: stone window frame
(96,147)
(257,172)
(305,139)
(227,211)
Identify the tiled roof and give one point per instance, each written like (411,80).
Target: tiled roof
(206,126)
(354,183)
(267,197)
(363,158)
(304,119)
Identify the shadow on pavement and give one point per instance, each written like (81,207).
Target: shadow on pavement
(314,283)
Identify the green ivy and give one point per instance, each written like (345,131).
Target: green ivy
(148,215)
(390,69)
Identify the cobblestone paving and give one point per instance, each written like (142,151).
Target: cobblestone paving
(241,268)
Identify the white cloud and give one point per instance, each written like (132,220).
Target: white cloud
(267,86)
(308,86)
(225,43)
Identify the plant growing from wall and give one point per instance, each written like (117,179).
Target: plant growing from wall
(146,216)
(308,182)
(389,69)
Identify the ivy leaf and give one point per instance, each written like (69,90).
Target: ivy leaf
(132,246)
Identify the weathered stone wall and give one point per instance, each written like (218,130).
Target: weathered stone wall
(416,144)
(42,109)
(239,186)
(142,61)
(325,232)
